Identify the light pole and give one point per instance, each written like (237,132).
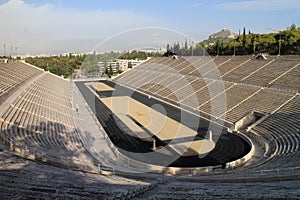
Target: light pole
(279,42)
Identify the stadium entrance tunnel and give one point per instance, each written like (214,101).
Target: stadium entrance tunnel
(249,120)
(136,140)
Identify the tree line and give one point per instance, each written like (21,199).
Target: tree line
(65,65)
(138,55)
(59,65)
(286,42)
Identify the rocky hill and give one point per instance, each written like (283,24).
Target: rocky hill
(223,35)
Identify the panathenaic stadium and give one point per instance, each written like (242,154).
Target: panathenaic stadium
(197,127)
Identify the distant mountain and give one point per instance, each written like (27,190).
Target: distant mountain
(223,35)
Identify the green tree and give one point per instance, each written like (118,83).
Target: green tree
(168,47)
(185,44)
(293,27)
(244,37)
(110,72)
(129,65)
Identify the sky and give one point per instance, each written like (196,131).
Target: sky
(59,26)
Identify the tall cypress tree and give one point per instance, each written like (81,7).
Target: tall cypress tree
(244,37)
(185,44)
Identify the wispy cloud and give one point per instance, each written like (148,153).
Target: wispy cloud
(37,29)
(260,5)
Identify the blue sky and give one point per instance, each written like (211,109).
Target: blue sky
(52,26)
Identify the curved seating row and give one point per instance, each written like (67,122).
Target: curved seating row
(26,179)
(41,119)
(283,127)
(14,73)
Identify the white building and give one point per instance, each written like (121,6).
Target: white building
(120,64)
(106,64)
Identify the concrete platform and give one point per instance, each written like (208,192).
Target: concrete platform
(99,86)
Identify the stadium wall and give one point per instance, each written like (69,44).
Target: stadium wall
(245,158)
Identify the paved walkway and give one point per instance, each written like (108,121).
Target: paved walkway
(92,137)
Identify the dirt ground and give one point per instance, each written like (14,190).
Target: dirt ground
(163,127)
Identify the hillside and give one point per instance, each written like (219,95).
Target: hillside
(285,42)
(224,35)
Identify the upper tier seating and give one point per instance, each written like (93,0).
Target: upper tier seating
(195,84)
(14,73)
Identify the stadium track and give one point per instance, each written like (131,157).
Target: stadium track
(229,147)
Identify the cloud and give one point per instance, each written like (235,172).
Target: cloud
(47,28)
(260,5)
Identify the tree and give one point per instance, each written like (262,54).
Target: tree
(129,65)
(244,37)
(253,43)
(168,47)
(59,65)
(176,48)
(293,27)
(110,72)
(218,47)
(185,44)
(140,55)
